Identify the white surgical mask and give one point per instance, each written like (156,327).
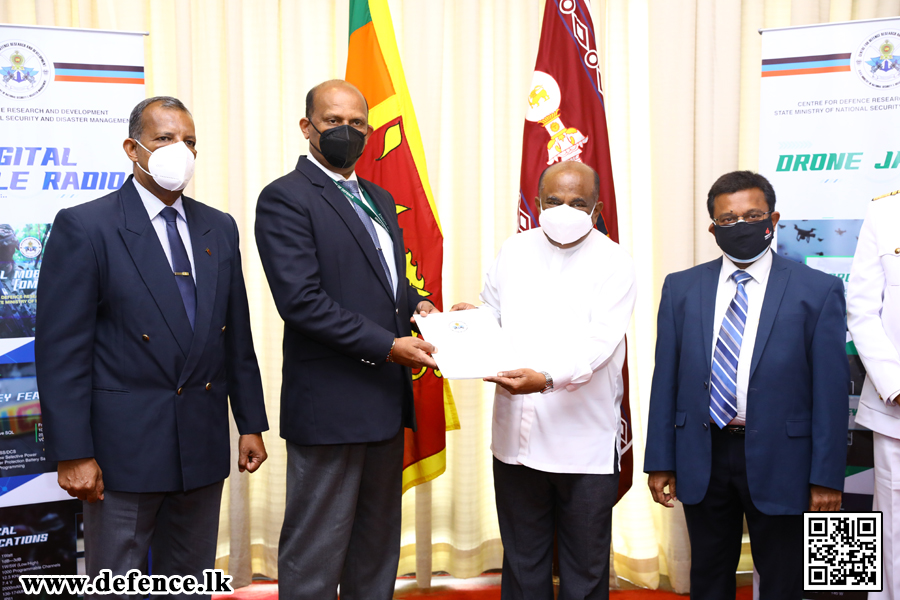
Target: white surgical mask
(171,167)
(564,224)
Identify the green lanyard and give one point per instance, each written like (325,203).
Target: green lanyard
(368,210)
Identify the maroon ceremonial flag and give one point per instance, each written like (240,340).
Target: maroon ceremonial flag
(566,120)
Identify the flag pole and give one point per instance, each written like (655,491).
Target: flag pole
(423,535)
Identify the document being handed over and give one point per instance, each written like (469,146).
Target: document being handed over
(470,343)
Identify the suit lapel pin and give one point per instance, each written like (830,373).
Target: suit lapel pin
(208,252)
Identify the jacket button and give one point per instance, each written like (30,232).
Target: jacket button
(208,386)
(178,391)
(896,250)
(705,385)
(396,311)
(223,329)
(145,337)
(706,426)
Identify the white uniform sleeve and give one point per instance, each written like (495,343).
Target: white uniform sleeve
(865,297)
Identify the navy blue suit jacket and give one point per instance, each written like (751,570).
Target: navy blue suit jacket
(122,378)
(339,312)
(796,431)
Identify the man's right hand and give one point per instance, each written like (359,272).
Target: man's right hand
(81,478)
(657,481)
(413,352)
(462,306)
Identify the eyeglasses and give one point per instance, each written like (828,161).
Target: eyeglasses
(730,219)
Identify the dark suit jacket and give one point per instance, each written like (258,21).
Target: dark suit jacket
(339,312)
(122,378)
(796,432)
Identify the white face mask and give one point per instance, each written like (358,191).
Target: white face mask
(171,167)
(564,224)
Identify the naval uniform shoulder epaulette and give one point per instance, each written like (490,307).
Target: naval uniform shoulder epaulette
(886,195)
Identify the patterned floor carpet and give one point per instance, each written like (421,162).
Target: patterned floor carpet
(486,587)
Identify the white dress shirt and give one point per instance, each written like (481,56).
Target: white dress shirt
(384,237)
(756,292)
(567,312)
(154,207)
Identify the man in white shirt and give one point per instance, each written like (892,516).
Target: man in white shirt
(565,294)
(873,315)
(748,409)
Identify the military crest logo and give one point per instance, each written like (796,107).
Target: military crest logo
(458,326)
(877,61)
(30,247)
(24,70)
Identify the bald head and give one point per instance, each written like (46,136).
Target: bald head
(327,89)
(571,166)
(340,106)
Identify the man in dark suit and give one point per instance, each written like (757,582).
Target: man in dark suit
(335,260)
(143,333)
(748,410)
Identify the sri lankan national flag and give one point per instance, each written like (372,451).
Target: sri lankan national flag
(395,160)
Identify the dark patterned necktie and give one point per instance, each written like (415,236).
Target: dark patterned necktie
(181,265)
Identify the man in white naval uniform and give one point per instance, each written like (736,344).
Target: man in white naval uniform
(873,316)
(564,293)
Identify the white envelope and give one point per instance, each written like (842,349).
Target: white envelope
(470,343)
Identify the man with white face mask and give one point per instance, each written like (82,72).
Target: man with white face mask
(565,293)
(143,334)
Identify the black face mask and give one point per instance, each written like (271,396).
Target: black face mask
(745,242)
(341,146)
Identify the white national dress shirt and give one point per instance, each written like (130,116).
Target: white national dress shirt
(756,292)
(154,207)
(567,312)
(384,237)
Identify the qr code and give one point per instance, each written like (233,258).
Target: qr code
(843,551)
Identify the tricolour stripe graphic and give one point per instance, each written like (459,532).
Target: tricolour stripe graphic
(806,65)
(98,73)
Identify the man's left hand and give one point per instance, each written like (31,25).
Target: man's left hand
(823,499)
(423,309)
(252,452)
(520,381)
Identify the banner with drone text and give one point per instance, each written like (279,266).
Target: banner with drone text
(830,143)
(64,111)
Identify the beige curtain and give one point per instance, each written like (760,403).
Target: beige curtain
(682,95)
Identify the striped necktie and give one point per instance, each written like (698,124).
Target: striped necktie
(723,391)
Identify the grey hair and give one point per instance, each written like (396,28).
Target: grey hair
(136,120)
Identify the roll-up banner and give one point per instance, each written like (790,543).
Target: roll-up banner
(829,143)
(65,98)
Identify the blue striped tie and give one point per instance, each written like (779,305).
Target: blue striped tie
(723,391)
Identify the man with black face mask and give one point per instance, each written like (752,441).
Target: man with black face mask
(335,260)
(748,409)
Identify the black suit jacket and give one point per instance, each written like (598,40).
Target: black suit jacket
(339,311)
(122,378)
